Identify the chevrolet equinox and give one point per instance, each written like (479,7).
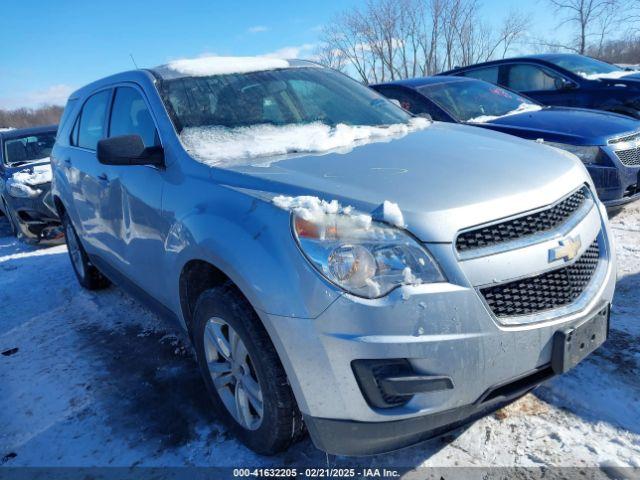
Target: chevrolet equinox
(341,267)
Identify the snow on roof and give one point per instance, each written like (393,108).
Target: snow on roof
(205,66)
(228,147)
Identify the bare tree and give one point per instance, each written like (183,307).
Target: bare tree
(30,117)
(392,39)
(588,17)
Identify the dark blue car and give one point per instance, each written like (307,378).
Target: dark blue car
(25,184)
(607,143)
(564,79)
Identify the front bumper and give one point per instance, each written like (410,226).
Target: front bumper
(35,218)
(442,330)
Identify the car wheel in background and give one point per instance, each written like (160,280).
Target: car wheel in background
(243,373)
(88,275)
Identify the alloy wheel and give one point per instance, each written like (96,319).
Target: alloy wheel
(233,374)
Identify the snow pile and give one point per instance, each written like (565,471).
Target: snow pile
(224,147)
(36,175)
(6,129)
(522,108)
(610,75)
(206,66)
(320,212)
(390,212)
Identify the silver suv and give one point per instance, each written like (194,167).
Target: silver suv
(338,264)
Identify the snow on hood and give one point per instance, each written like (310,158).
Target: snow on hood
(36,175)
(206,66)
(522,108)
(226,147)
(610,75)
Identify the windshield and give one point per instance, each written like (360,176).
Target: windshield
(476,101)
(585,67)
(27,149)
(292,96)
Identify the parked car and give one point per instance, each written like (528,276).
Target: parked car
(338,263)
(604,141)
(25,184)
(564,79)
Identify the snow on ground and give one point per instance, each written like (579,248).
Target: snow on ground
(226,147)
(94,379)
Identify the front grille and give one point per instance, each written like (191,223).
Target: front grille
(627,138)
(547,291)
(629,157)
(517,228)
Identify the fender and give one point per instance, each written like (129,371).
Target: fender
(232,236)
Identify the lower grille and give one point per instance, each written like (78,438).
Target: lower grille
(547,291)
(629,157)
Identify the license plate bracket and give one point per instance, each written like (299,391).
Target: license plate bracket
(572,345)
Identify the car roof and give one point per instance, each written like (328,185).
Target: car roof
(23,132)
(422,81)
(544,58)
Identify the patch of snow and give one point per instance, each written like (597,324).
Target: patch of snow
(36,175)
(522,108)
(610,75)
(409,278)
(320,212)
(206,66)
(6,129)
(228,147)
(390,212)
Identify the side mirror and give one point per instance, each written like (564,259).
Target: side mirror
(563,84)
(129,150)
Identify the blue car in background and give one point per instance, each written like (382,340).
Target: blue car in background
(564,79)
(607,143)
(25,184)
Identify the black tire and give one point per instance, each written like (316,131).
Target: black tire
(281,423)
(88,275)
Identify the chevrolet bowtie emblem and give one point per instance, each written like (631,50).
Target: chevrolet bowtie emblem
(567,250)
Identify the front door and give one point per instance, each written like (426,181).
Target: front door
(136,193)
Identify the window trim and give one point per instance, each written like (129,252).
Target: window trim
(79,117)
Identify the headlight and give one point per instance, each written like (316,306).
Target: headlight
(588,154)
(21,190)
(364,257)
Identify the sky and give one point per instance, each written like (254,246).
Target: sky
(48,48)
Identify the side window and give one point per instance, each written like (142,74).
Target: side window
(130,116)
(524,78)
(489,74)
(92,119)
(411,102)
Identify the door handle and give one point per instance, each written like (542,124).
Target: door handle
(103,177)
(67,161)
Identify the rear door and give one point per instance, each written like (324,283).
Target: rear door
(136,192)
(89,180)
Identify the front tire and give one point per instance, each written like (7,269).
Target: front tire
(243,373)
(88,275)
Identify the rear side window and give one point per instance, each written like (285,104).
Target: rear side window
(489,74)
(65,115)
(525,78)
(130,116)
(92,120)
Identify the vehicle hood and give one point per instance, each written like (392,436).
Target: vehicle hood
(569,125)
(443,178)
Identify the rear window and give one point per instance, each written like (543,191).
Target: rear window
(92,120)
